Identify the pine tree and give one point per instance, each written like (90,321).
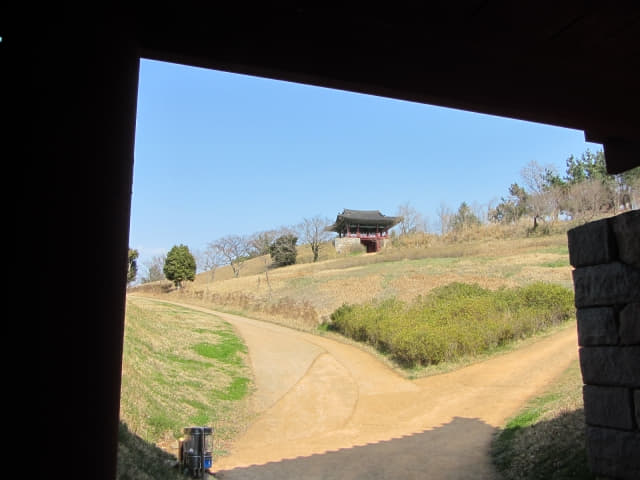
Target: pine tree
(283,250)
(180,265)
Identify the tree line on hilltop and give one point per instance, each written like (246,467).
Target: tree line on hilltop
(584,192)
(278,245)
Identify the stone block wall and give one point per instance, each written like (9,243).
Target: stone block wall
(349,244)
(345,244)
(606,257)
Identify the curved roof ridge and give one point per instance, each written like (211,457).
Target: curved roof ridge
(363,217)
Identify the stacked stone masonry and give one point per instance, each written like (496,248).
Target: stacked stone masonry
(605,255)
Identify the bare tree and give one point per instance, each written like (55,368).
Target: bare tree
(424,224)
(266,259)
(210,260)
(313,231)
(557,196)
(481,211)
(199,257)
(543,198)
(631,196)
(532,176)
(539,206)
(154,269)
(411,220)
(587,199)
(233,250)
(260,242)
(629,182)
(444,216)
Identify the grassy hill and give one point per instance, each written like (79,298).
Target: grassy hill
(304,295)
(180,367)
(170,352)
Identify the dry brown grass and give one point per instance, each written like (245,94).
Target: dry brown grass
(305,294)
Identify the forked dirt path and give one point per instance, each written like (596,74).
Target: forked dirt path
(331,411)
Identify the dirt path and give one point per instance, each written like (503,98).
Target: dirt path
(330,410)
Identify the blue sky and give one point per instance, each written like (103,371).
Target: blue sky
(219,153)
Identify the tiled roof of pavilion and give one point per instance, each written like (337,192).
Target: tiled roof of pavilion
(364,218)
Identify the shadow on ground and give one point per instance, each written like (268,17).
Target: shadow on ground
(457,450)
(462,449)
(141,460)
(551,450)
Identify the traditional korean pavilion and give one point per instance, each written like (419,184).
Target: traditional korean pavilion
(367,227)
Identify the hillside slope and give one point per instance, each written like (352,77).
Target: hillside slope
(305,294)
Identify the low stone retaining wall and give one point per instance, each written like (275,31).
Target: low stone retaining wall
(346,244)
(606,257)
(351,244)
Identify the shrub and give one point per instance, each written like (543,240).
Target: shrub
(454,320)
(283,250)
(180,265)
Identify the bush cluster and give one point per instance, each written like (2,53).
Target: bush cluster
(283,250)
(454,320)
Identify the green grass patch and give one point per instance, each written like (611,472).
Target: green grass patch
(200,418)
(236,391)
(173,359)
(161,422)
(194,403)
(522,420)
(187,363)
(546,439)
(323,328)
(454,321)
(226,351)
(191,383)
